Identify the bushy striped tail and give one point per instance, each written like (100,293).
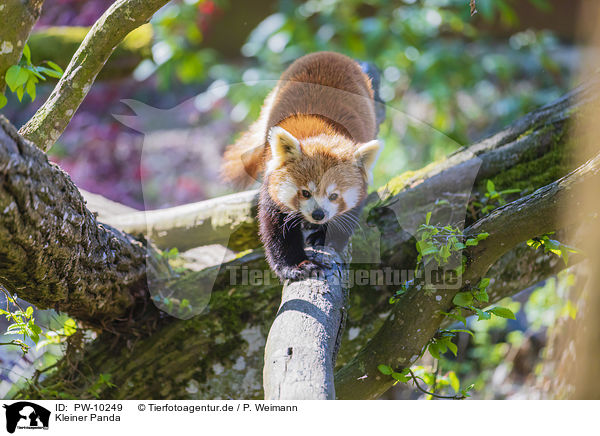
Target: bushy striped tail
(243,161)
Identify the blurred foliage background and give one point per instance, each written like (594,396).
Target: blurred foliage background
(448,79)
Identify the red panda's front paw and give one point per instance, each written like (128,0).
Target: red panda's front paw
(303,270)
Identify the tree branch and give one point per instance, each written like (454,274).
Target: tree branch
(53,252)
(18,18)
(123,16)
(213,221)
(304,339)
(417,316)
(58,44)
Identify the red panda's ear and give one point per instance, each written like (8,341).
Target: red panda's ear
(283,146)
(366,156)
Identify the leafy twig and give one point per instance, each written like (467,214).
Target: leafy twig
(460,396)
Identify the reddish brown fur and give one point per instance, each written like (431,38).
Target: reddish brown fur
(326,159)
(323,94)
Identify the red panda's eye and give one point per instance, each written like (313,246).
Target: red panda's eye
(333,197)
(306,194)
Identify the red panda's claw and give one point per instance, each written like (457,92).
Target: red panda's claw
(303,270)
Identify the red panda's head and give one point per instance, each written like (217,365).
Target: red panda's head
(321,176)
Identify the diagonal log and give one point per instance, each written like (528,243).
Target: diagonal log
(398,343)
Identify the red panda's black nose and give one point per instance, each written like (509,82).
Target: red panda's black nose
(318,214)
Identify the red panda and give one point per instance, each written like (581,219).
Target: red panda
(315,143)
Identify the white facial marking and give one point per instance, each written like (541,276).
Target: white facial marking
(307,206)
(286,192)
(312,186)
(330,208)
(319,202)
(331,188)
(351,197)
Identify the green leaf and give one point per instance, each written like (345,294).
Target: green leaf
(30,87)
(70,327)
(444,254)
(510,191)
(427,218)
(20,93)
(464,299)
(503,312)
(552,244)
(385,369)
(33,335)
(481,315)
(433,350)
(29,312)
(481,236)
(428,378)
(16,326)
(22,77)
(452,347)
(49,72)
(459,246)
(15,77)
(425,248)
(3,101)
(454,382)
(35,72)
(484,283)
(464,393)
(55,67)
(482,296)
(534,243)
(400,377)
(442,345)
(463,331)
(27,53)
(490,186)
(565,256)
(471,242)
